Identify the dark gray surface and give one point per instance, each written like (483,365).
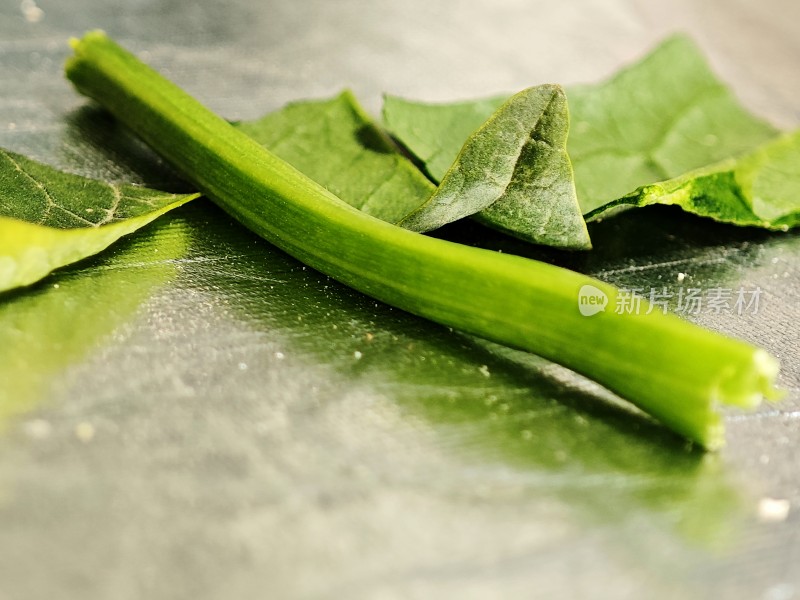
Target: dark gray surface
(191,420)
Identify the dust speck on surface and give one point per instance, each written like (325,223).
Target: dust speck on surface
(38,429)
(31,12)
(773,510)
(85,432)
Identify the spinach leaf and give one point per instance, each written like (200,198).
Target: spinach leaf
(47,328)
(513,173)
(435,133)
(49,218)
(665,118)
(653,121)
(760,189)
(336,144)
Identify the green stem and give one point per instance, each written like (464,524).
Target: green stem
(673,370)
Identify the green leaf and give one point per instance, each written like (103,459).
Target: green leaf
(435,133)
(655,120)
(336,144)
(47,328)
(514,174)
(503,160)
(665,116)
(760,189)
(49,218)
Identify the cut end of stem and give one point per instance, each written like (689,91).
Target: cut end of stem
(742,387)
(89,36)
(745,386)
(78,46)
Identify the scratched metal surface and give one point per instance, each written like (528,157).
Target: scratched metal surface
(186,416)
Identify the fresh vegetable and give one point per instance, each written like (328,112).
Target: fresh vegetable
(761,189)
(49,219)
(653,133)
(513,173)
(676,371)
(48,327)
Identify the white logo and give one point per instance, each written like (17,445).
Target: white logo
(591,300)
